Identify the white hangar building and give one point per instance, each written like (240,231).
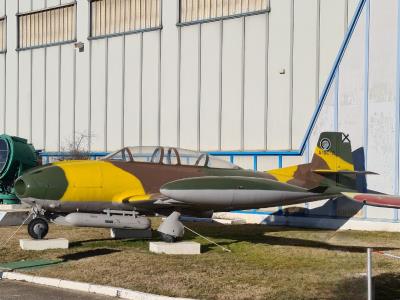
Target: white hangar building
(252,80)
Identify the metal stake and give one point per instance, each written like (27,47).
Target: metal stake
(369,272)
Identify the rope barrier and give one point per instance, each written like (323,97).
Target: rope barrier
(207,239)
(387,254)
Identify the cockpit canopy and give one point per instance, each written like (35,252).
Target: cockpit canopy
(169,156)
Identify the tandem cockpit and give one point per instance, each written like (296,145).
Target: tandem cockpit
(169,156)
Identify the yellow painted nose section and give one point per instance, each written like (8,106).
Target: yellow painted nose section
(100,181)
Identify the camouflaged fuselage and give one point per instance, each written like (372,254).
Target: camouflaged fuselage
(152,187)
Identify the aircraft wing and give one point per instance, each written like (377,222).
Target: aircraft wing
(381,200)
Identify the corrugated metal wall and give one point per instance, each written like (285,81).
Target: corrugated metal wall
(241,84)
(248,83)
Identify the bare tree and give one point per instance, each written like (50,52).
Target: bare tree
(77,148)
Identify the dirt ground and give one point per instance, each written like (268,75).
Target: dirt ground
(265,262)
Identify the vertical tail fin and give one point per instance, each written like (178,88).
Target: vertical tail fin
(333,152)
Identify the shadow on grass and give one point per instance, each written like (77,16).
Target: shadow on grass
(385,286)
(110,242)
(258,234)
(227,235)
(81,243)
(351,288)
(87,254)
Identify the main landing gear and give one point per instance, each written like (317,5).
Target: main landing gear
(38,228)
(171,229)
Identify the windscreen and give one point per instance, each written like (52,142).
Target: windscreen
(4,150)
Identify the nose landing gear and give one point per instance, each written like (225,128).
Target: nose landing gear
(38,228)
(171,229)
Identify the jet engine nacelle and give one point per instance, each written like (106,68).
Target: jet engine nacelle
(107,221)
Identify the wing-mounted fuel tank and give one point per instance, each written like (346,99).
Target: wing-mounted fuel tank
(110,219)
(231,192)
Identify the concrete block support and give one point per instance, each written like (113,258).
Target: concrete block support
(175,248)
(38,245)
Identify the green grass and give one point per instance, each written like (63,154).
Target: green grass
(265,262)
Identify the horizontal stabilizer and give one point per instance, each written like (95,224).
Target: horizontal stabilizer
(381,200)
(344,172)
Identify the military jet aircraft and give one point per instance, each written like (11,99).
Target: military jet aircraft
(122,189)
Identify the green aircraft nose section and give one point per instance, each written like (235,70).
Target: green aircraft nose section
(48,183)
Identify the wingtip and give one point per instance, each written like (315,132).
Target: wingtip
(380,200)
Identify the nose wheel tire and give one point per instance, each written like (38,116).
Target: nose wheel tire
(168,238)
(38,228)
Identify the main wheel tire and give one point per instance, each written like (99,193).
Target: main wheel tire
(38,228)
(168,238)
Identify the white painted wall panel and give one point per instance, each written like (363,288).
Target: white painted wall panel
(288,161)
(24,86)
(132,89)
(252,114)
(38,4)
(2,7)
(2,91)
(67,105)
(351,87)
(82,71)
(381,117)
(150,88)
(380,213)
(352,6)
(210,86)
(12,73)
(38,98)
(265,163)
(98,95)
(325,121)
(51,3)
(24,6)
(115,95)
(332,22)
(246,162)
(255,83)
(38,90)
(52,98)
(304,67)
(189,94)
(331,35)
(232,76)
(169,73)
(278,119)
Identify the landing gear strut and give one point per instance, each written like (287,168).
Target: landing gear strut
(38,228)
(171,229)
